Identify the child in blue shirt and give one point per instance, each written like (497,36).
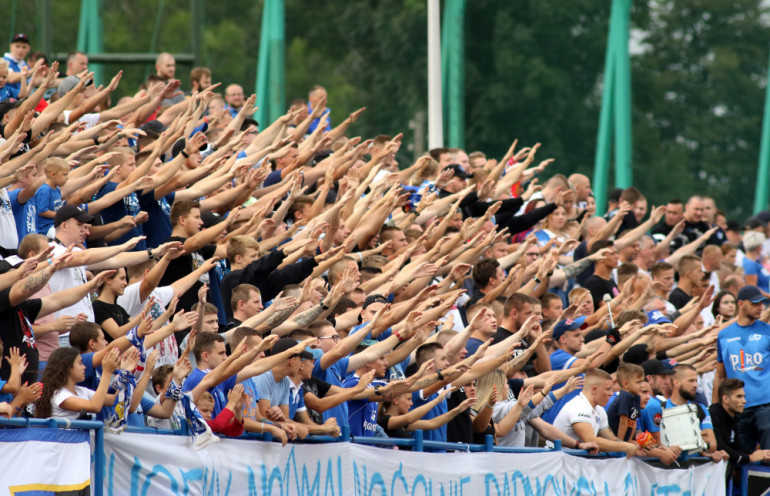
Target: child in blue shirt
(47,199)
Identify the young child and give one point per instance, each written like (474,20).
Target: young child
(47,199)
(624,411)
(5,90)
(230,420)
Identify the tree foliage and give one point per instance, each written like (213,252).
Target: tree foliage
(533,71)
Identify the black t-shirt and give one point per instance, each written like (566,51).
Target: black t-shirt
(580,253)
(625,404)
(16,331)
(600,287)
(398,432)
(502,334)
(679,298)
(183,266)
(105,311)
(460,428)
(319,388)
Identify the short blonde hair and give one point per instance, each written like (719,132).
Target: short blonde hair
(53,165)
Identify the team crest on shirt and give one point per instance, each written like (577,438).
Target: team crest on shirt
(755,337)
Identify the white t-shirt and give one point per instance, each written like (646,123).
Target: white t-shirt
(131,302)
(578,409)
(9,239)
(90,119)
(61,395)
(70,278)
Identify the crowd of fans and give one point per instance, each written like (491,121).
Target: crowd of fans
(169,261)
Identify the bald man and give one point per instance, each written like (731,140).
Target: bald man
(165,67)
(582,186)
(235,99)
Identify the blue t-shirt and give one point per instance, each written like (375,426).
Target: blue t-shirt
(128,206)
(46,199)
(250,409)
(362,414)
(626,404)
(383,335)
(753,268)
(653,413)
(743,351)
(276,392)
(438,410)
(334,375)
(25,214)
(472,345)
(296,401)
(14,66)
(7,397)
(273,178)
(158,225)
(560,360)
(7,92)
(219,392)
(137,418)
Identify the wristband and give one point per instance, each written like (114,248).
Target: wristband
(613,336)
(184,154)
(324,306)
(537,280)
(440,375)
(149,254)
(96,141)
(377,391)
(544,395)
(491,407)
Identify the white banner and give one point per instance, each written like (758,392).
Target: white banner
(147,464)
(44,462)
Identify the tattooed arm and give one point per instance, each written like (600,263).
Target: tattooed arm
(68,297)
(275,319)
(301,320)
(29,284)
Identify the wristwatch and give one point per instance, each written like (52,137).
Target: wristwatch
(440,375)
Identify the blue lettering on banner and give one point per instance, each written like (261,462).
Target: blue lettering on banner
(323,476)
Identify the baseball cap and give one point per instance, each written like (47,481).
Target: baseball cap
(8,105)
(317,354)
(753,223)
(20,38)
(375,298)
(657,317)
(211,219)
(458,170)
(284,344)
(68,211)
(68,83)
(751,293)
(153,128)
(764,216)
(567,325)
(656,367)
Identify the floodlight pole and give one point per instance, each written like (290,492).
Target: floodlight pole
(435,119)
(763,172)
(616,108)
(453,72)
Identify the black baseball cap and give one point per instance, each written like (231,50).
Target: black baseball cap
(284,344)
(375,298)
(751,293)
(459,171)
(656,367)
(20,38)
(67,212)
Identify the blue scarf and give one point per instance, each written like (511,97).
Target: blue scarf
(124,383)
(202,435)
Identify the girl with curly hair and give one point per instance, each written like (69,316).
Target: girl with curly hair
(62,397)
